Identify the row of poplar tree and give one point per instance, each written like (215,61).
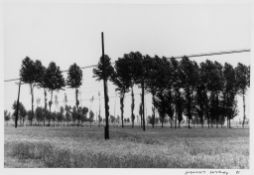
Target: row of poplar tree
(179,87)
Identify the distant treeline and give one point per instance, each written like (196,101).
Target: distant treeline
(67,116)
(179,87)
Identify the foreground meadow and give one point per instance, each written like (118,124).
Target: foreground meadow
(127,148)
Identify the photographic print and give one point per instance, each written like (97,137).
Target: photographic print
(126,85)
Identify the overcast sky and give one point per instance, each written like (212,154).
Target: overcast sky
(68,33)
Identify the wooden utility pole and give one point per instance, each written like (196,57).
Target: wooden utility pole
(106,132)
(17,110)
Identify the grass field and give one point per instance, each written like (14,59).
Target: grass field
(128,148)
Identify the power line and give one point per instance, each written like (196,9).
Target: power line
(10,80)
(215,53)
(177,57)
(84,67)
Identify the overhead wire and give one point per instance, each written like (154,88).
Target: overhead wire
(177,57)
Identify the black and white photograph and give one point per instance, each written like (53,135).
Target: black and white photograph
(127,85)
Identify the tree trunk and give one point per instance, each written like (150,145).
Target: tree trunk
(153,109)
(132,107)
(77,101)
(244,116)
(32,103)
(45,105)
(175,121)
(207,121)
(217,105)
(153,117)
(178,107)
(50,105)
(229,124)
(189,107)
(207,113)
(140,113)
(143,104)
(45,99)
(122,107)
(51,101)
